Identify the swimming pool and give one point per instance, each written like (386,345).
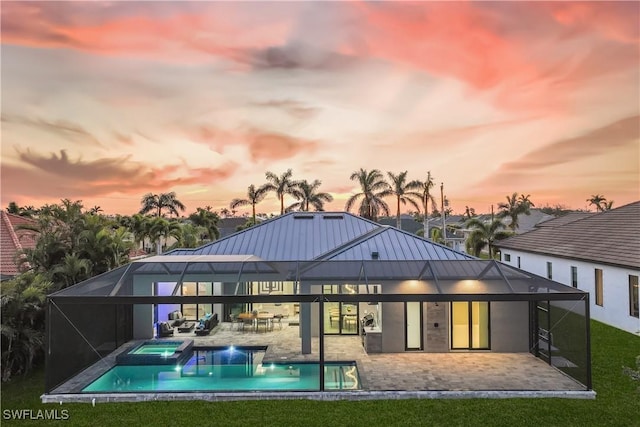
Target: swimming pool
(226,369)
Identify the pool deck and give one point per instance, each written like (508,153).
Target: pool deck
(383,375)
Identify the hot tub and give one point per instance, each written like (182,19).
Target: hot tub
(157,353)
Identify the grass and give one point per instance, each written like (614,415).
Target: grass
(617,404)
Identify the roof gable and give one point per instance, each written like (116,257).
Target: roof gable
(611,237)
(398,245)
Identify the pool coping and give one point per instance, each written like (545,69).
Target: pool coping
(94,398)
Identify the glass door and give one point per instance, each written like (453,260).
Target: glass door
(413,327)
(340,318)
(470,325)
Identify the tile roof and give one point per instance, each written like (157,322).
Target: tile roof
(565,219)
(13,240)
(611,237)
(324,235)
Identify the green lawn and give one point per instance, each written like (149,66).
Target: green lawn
(617,404)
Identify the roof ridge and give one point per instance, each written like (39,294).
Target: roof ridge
(12,232)
(361,238)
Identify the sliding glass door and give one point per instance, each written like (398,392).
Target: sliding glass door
(470,325)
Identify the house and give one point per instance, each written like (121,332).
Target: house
(337,275)
(598,253)
(13,241)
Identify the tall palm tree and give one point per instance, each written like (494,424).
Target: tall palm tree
(374,189)
(307,195)
(599,201)
(254,196)
(159,202)
(281,185)
(403,192)
(426,197)
(484,234)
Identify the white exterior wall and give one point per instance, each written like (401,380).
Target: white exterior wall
(615,308)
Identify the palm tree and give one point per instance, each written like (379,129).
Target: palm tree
(514,207)
(403,191)
(73,269)
(281,185)
(254,196)
(374,189)
(607,206)
(160,202)
(159,228)
(307,194)
(599,201)
(484,234)
(426,197)
(22,322)
(208,221)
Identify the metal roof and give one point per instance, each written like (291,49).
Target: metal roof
(304,236)
(393,244)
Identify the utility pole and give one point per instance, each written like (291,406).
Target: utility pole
(444,229)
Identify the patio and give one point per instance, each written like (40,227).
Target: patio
(390,372)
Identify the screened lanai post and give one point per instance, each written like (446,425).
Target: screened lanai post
(305,320)
(321,340)
(587,308)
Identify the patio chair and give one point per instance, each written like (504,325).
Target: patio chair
(334,314)
(247,321)
(165,330)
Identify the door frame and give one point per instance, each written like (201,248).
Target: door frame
(470,308)
(406,334)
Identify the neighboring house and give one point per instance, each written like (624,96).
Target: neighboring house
(13,241)
(331,272)
(228,226)
(598,253)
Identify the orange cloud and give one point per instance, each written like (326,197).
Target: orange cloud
(270,146)
(58,176)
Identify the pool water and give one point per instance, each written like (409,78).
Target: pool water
(233,369)
(161,349)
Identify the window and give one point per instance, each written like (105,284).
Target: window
(549,270)
(633,296)
(518,262)
(507,257)
(599,290)
(574,276)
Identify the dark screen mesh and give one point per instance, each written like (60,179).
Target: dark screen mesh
(78,335)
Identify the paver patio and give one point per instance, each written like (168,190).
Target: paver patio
(411,371)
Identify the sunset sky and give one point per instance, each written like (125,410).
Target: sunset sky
(105,102)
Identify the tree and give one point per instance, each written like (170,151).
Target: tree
(607,206)
(95,210)
(159,202)
(254,196)
(281,185)
(468,213)
(514,207)
(22,323)
(307,195)
(599,201)
(426,197)
(484,234)
(73,269)
(403,192)
(159,229)
(208,221)
(373,189)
